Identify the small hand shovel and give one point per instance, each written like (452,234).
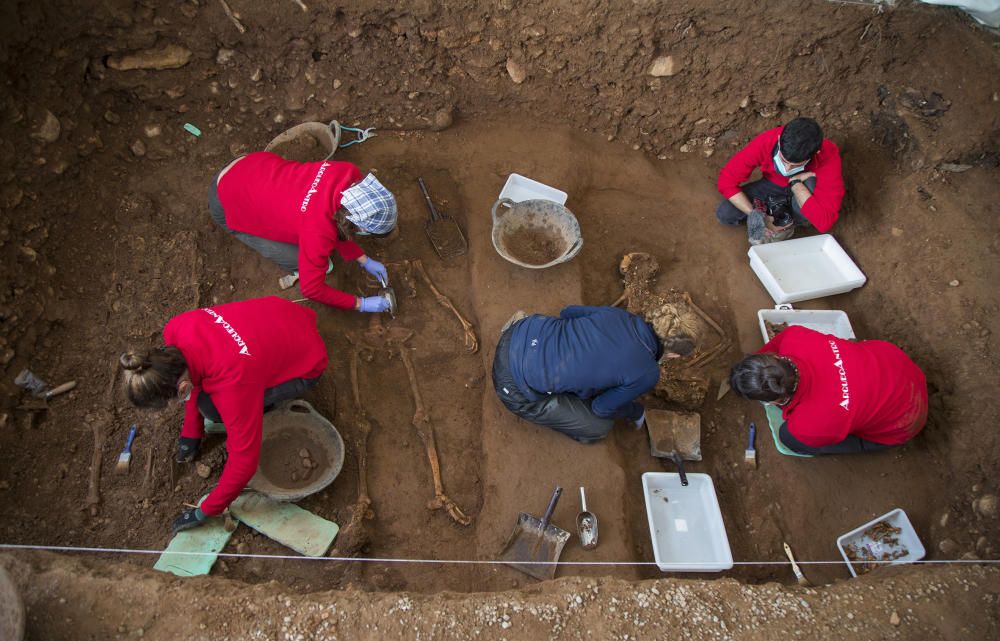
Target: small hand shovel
(586,524)
(535,544)
(442,230)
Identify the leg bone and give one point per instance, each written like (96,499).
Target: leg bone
(422,423)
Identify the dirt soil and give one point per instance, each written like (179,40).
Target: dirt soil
(534,244)
(105,235)
(73,599)
(292,458)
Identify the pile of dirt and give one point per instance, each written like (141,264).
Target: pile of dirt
(292,458)
(70,599)
(535,244)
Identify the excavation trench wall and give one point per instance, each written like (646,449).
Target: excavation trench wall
(104,235)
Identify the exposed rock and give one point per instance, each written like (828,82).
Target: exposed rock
(112,117)
(152,131)
(987,505)
(138,147)
(443,119)
(169,56)
(664,66)
(224,56)
(894,618)
(49,130)
(516,71)
(204,471)
(949,547)
(954,283)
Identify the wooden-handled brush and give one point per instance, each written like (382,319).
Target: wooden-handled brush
(799,576)
(125,458)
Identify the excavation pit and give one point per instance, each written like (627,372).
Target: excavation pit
(91,269)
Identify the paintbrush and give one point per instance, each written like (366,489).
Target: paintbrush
(125,458)
(801,578)
(750,454)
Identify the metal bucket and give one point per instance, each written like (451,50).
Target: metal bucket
(327,136)
(288,430)
(535,233)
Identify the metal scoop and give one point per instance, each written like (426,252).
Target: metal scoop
(586,524)
(390,295)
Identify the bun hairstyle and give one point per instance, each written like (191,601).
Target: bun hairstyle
(151,376)
(763,377)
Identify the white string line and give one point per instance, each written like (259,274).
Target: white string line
(355,559)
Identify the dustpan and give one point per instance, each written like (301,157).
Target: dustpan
(535,544)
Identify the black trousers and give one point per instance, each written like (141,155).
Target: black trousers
(850,445)
(295,388)
(728,214)
(564,413)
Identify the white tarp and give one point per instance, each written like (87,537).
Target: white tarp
(985,11)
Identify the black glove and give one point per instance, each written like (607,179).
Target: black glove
(189,518)
(187,449)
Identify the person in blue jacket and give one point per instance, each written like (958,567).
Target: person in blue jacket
(579,372)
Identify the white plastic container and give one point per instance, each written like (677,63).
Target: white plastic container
(908,539)
(685,523)
(827,321)
(519,188)
(805,268)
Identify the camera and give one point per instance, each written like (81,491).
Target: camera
(780,210)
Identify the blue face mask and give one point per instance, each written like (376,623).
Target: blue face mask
(782,168)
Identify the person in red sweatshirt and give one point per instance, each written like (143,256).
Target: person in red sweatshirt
(297,214)
(801,175)
(837,396)
(228,364)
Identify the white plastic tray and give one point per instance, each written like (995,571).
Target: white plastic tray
(907,538)
(804,268)
(827,321)
(519,188)
(685,523)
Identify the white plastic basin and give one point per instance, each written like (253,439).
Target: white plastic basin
(805,268)
(827,321)
(520,188)
(908,541)
(685,523)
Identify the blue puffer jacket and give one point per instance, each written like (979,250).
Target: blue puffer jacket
(600,353)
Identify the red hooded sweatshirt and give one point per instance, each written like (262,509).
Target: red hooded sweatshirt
(292,202)
(870,389)
(234,352)
(822,208)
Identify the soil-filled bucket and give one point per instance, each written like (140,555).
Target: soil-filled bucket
(300,454)
(535,233)
(308,142)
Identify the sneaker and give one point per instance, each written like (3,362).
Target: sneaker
(518,315)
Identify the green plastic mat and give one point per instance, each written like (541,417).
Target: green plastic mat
(193,552)
(285,523)
(774,421)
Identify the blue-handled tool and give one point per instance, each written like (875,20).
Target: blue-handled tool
(125,458)
(750,455)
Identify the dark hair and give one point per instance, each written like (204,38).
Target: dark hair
(680,343)
(800,139)
(151,376)
(763,377)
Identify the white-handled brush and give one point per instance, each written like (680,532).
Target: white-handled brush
(750,454)
(125,458)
